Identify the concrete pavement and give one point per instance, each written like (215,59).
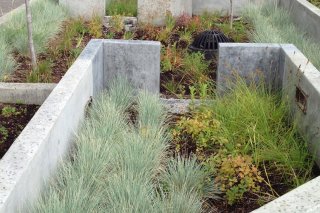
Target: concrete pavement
(8,5)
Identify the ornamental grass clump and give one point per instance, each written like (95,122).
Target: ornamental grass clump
(119,164)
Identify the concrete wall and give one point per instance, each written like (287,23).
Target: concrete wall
(248,61)
(139,61)
(25,93)
(300,76)
(155,11)
(223,6)
(85,8)
(305,15)
(44,142)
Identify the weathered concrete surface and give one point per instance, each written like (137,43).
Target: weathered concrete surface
(301,75)
(139,61)
(221,6)
(7,6)
(305,198)
(248,61)
(179,106)
(305,15)
(155,11)
(25,93)
(85,8)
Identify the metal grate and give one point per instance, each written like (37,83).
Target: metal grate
(208,42)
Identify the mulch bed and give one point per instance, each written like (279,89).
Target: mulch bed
(12,124)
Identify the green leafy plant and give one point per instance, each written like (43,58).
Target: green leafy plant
(128,35)
(4,133)
(171,59)
(43,73)
(95,26)
(238,175)
(116,23)
(185,37)
(8,111)
(195,67)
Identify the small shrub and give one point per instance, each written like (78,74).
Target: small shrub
(43,73)
(238,175)
(95,27)
(116,23)
(171,59)
(128,35)
(8,111)
(195,67)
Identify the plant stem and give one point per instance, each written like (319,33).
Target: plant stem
(29,26)
(231,14)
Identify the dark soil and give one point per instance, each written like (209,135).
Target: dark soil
(13,119)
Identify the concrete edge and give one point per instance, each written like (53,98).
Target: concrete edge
(23,169)
(25,93)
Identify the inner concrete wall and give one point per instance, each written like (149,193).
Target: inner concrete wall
(249,61)
(221,6)
(36,153)
(25,93)
(154,11)
(138,61)
(85,8)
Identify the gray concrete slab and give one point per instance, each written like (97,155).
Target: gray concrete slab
(25,93)
(155,11)
(248,61)
(85,8)
(139,61)
(7,6)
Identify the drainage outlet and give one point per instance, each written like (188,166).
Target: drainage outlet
(207,42)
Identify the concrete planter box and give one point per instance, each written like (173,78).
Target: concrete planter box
(85,8)
(155,11)
(45,141)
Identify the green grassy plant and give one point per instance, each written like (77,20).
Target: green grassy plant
(244,136)
(47,18)
(4,133)
(116,164)
(273,25)
(8,111)
(41,74)
(195,67)
(122,7)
